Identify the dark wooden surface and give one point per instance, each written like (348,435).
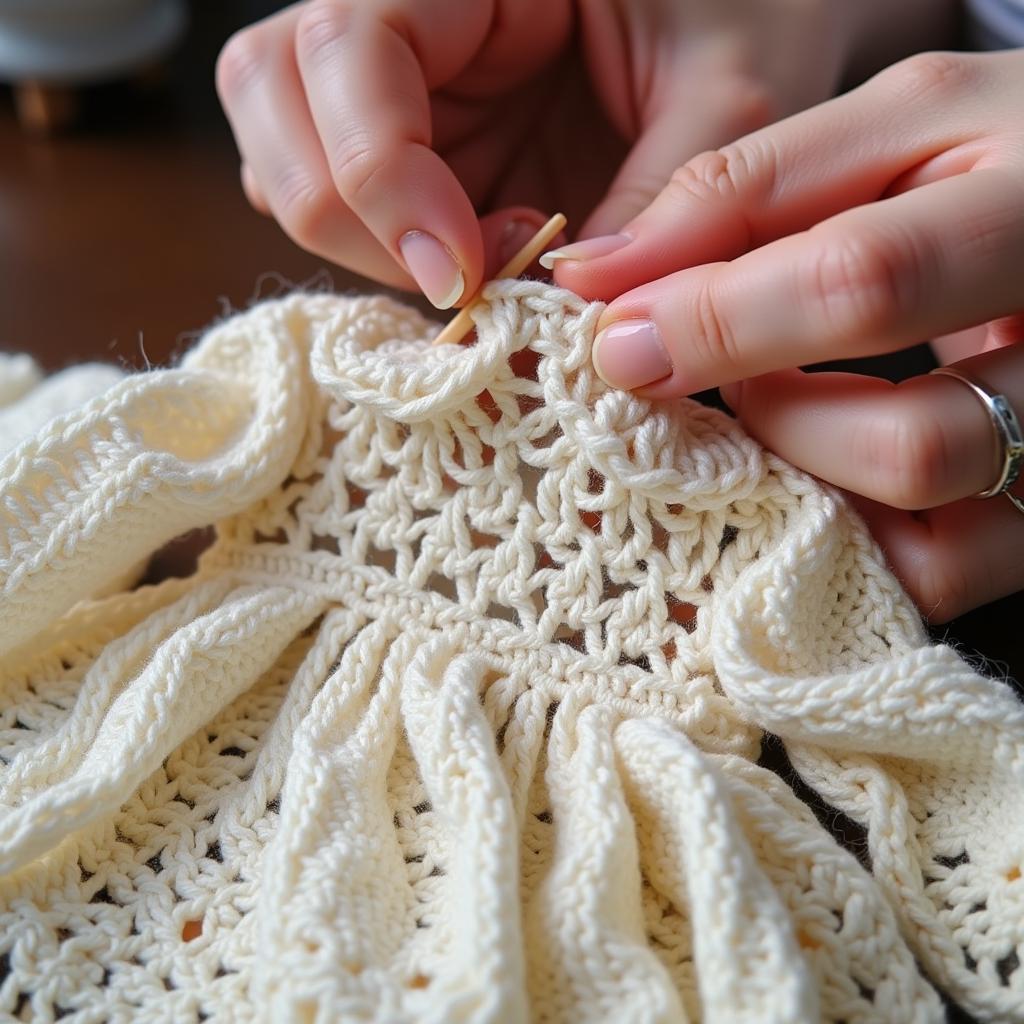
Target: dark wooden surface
(121,239)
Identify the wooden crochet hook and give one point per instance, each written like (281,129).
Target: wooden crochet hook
(461,324)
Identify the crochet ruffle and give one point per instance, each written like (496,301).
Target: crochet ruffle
(460,717)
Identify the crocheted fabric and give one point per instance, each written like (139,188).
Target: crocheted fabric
(460,717)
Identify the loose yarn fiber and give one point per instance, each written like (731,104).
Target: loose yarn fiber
(459,718)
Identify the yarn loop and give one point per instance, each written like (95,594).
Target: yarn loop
(462,715)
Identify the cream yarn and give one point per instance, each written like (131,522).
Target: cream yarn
(459,719)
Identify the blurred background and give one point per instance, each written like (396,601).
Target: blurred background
(123,227)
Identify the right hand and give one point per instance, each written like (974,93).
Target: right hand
(375,131)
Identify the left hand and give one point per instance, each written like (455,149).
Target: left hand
(888,216)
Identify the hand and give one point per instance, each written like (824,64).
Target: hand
(376,131)
(890,215)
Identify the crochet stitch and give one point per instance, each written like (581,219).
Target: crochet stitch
(459,718)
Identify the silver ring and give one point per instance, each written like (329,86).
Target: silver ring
(1008,433)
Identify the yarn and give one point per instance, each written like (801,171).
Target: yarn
(459,718)
(28,402)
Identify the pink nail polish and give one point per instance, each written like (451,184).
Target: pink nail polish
(630,353)
(588,249)
(434,268)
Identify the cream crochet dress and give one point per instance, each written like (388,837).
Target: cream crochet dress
(459,719)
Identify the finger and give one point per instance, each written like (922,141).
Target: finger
(671,138)
(258,81)
(368,94)
(505,232)
(954,558)
(869,280)
(792,174)
(923,442)
(253,192)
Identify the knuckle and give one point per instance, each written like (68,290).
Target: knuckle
(702,177)
(742,168)
(712,343)
(927,74)
(856,286)
(319,30)
(355,164)
(354,160)
(907,456)
(304,207)
(241,61)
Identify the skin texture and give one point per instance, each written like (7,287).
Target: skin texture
(361,120)
(885,217)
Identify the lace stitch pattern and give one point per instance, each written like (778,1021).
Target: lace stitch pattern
(459,718)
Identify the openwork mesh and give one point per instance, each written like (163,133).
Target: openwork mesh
(459,718)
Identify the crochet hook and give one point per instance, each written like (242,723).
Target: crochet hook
(462,323)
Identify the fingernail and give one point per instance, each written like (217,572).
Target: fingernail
(629,354)
(514,235)
(588,249)
(433,266)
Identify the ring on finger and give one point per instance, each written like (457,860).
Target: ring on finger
(1009,433)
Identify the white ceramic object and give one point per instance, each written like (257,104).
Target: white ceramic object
(75,41)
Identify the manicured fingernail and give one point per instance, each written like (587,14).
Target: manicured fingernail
(588,249)
(514,235)
(629,354)
(434,268)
